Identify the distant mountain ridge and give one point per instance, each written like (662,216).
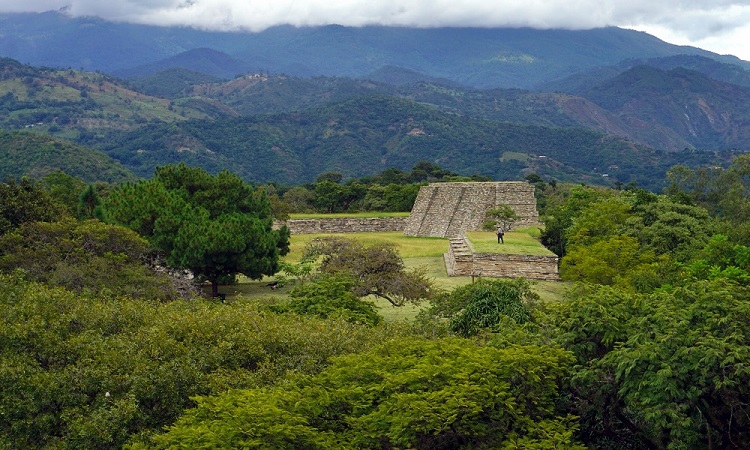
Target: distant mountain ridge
(703,112)
(367,134)
(202,60)
(484,58)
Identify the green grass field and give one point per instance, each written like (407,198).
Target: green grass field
(418,252)
(408,246)
(518,242)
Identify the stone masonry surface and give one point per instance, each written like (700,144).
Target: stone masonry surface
(460,261)
(450,209)
(345,225)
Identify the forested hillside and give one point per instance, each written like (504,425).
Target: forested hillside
(665,110)
(703,112)
(288,129)
(367,134)
(36,155)
(69,102)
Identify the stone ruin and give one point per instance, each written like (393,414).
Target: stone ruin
(449,210)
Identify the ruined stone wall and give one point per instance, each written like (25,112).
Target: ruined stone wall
(461,262)
(345,225)
(532,267)
(451,209)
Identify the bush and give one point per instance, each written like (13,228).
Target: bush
(87,256)
(484,304)
(331,296)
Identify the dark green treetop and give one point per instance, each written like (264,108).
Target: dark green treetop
(25,201)
(214,225)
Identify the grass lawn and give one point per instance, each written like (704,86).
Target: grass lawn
(417,252)
(515,156)
(552,291)
(408,246)
(518,242)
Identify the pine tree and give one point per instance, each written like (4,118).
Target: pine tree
(214,225)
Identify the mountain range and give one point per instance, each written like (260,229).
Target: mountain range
(601,106)
(474,57)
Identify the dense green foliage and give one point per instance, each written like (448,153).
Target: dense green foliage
(635,238)
(331,296)
(87,257)
(391,190)
(722,191)
(25,202)
(215,226)
(649,350)
(664,370)
(412,393)
(483,305)
(81,371)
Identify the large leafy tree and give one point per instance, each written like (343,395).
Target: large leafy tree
(560,218)
(724,192)
(502,217)
(483,305)
(376,270)
(633,237)
(331,296)
(65,189)
(214,225)
(666,370)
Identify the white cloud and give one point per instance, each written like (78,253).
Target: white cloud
(722,26)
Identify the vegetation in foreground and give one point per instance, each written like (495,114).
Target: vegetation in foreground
(649,355)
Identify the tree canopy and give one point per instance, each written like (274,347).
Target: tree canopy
(412,393)
(25,201)
(88,256)
(214,225)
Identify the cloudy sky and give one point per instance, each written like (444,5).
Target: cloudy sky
(722,26)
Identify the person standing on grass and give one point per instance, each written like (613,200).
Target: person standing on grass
(500,234)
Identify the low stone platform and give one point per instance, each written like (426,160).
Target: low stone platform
(461,261)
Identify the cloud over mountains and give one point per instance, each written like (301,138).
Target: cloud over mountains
(716,22)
